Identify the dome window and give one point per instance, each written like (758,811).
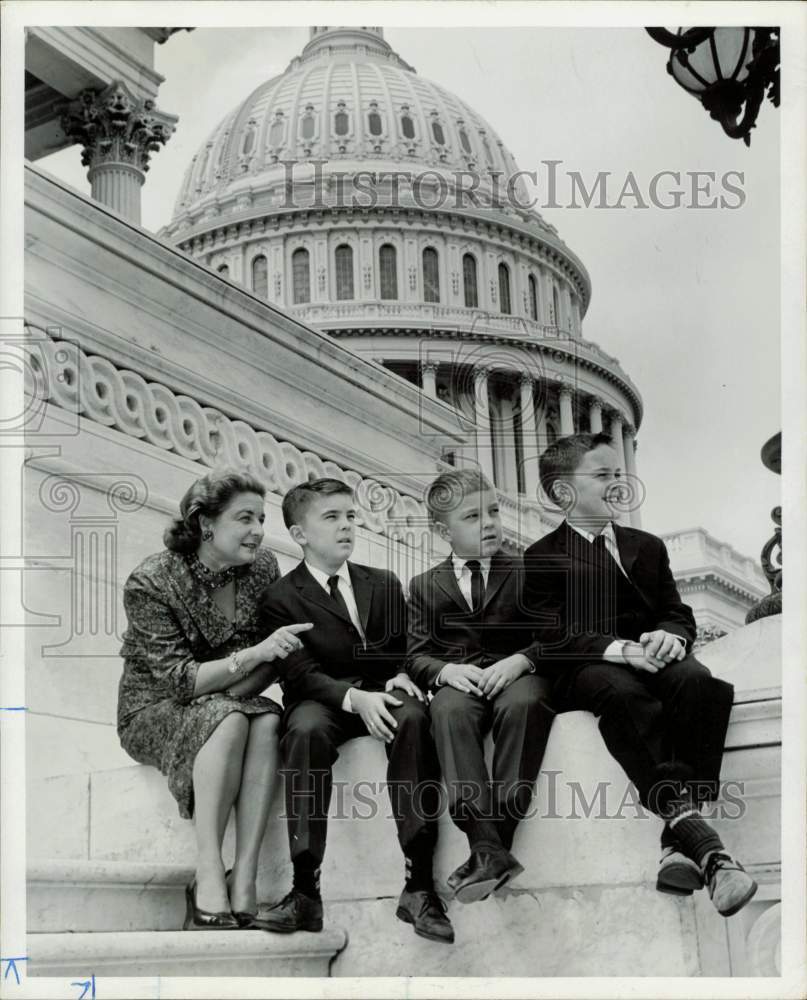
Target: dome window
(307,130)
(374,123)
(438,133)
(431,275)
(532,289)
(555,307)
(260,277)
(388,271)
(248,142)
(277,131)
(407,127)
(341,123)
(344,272)
(504,289)
(300,277)
(469,281)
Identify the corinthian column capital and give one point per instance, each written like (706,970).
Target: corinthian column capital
(114,126)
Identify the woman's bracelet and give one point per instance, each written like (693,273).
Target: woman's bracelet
(235,665)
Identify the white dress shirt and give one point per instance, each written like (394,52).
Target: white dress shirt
(463,575)
(610,542)
(345,588)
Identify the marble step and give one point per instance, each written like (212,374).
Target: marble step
(181,953)
(86,896)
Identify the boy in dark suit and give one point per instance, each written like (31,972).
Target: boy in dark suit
(339,687)
(616,639)
(470,644)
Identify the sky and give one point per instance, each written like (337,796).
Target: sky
(687,298)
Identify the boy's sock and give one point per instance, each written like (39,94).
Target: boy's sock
(419,859)
(694,835)
(306,876)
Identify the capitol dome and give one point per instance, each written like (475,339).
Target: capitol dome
(384,210)
(347,98)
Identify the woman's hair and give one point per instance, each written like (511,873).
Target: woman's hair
(209,496)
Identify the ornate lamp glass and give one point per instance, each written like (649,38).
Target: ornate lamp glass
(729,69)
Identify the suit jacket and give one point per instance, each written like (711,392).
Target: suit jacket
(442,628)
(564,583)
(333,658)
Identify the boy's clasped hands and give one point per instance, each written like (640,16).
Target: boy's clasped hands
(485,682)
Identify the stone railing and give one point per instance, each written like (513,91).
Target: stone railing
(476,320)
(462,321)
(64,375)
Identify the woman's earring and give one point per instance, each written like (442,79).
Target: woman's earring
(207,535)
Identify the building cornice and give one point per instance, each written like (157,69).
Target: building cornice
(690,583)
(574,351)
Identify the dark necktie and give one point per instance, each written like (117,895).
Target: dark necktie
(603,554)
(333,586)
(477,583)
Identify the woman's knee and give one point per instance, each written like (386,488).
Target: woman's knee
(264,729)
(233,729)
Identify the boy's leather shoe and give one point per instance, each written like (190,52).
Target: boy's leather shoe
(730,885)
(483,873)
(678,874)
(295,912)
(427,914)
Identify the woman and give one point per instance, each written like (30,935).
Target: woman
(195,663)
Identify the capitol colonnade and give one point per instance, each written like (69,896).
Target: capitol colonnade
(514,415)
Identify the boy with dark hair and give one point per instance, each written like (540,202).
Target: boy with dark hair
(339,687)
(616,639)
(470,644)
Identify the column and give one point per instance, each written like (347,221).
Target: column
(484,444)
(505,459)
(566,307)
(368,285)
(428,372)
(616,436)
(578,322)
(529,440)
(595,415)
(118,132)
(566,411)
(629,445)
(540,420)
(546,297)
(411,291)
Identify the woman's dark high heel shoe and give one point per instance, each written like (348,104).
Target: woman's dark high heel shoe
(203,920)
(246,921)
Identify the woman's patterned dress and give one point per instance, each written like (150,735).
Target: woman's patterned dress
(174,625)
